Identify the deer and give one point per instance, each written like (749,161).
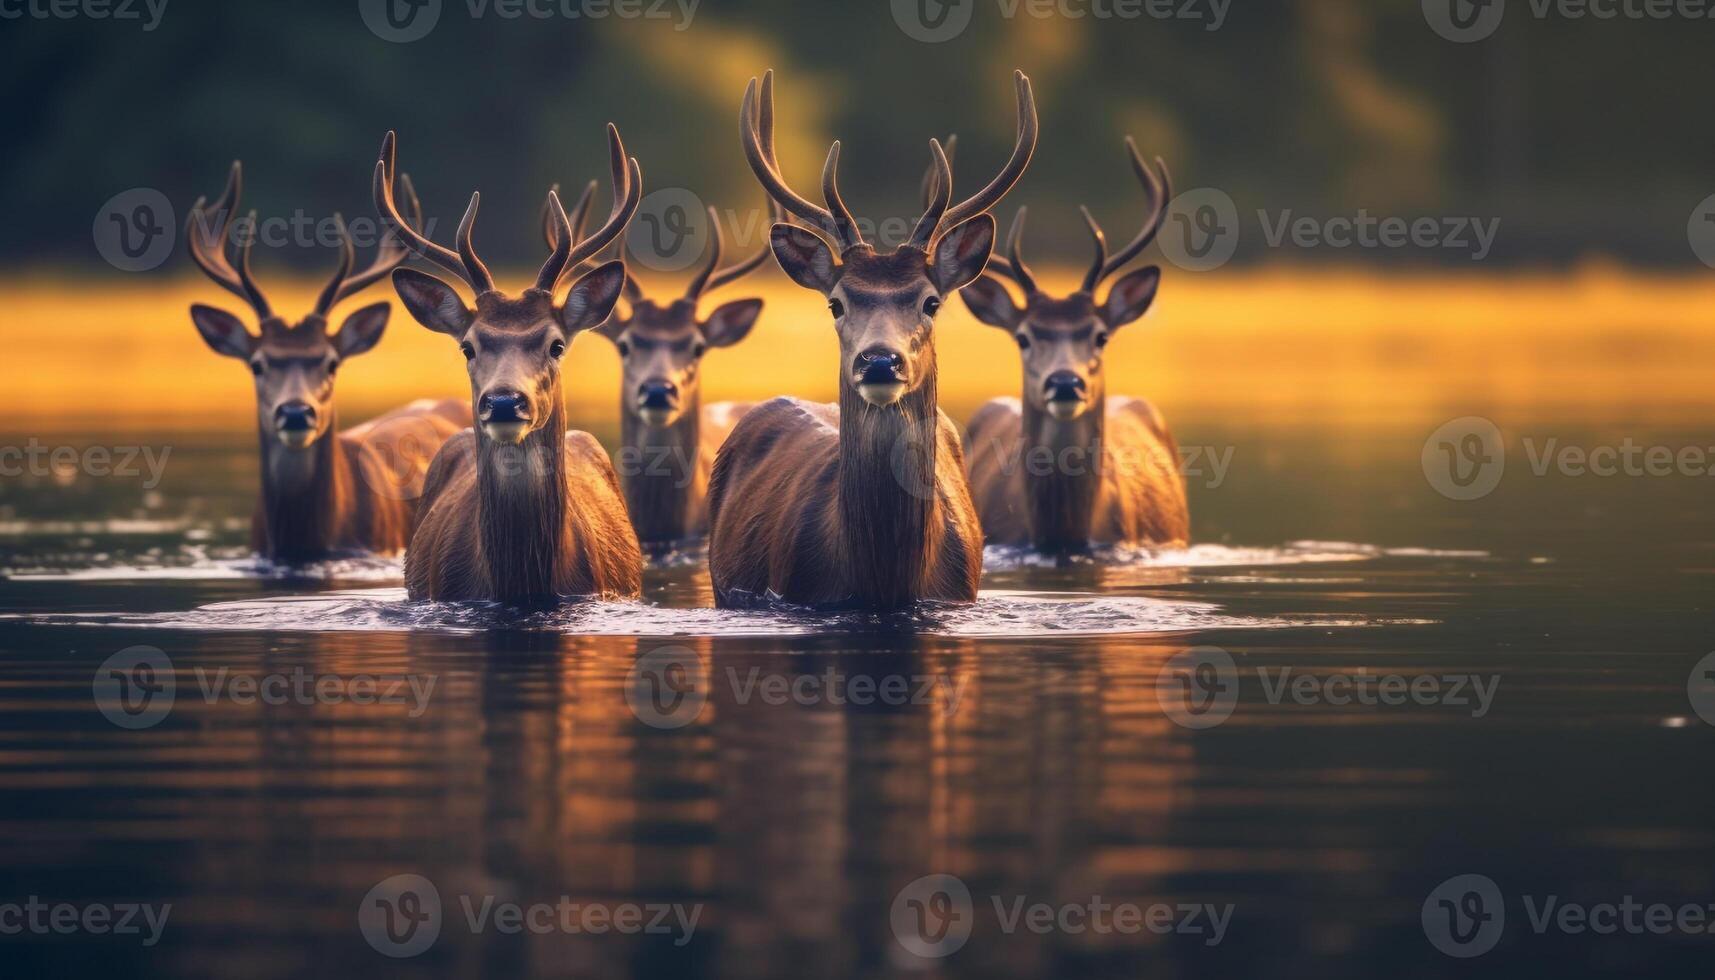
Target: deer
(519,509)
(324,492)
(864,503)
(1066,467)
(668,437)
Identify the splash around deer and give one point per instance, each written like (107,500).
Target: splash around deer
(865,503)
(1065,467)
(519,510)
(324,492)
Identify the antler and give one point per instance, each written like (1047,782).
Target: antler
(990,195)
(388,255)
(627,195)
(1160,193)
(206,238)
(708,278)
(462,263)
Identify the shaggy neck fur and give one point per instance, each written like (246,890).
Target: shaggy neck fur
(521,511)
(659,473)
(887,503)
(301,494)
(1062,474)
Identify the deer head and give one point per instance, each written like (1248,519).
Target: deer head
(293,364)
(1062,339)
(883,303)
(661,344)
(512,345)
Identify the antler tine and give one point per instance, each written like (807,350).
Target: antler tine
(1160,193)
(739,270)
(558,229)
(940,190)
(1022,150)
(347,256)
(578,215)
(206,238)
(627,179)
(1094,276)
(252,291)
(385,205)
(844,226)
(388,254)
(476,272)
(758,139)
(1019,272)
(933,170)
(701,282)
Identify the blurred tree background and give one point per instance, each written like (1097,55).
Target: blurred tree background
(1568,130)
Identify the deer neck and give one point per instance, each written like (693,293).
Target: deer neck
(887,504)
(1063,463)
(659,470)
(521,518)
(302,495)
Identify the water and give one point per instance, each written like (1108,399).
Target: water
(665,757)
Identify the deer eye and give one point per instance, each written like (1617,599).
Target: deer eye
(699,349)
(1023,341)
(1101,341)
(932,306)
(333,365)
(468,351)
(837,308)
(624,349)
(256,368)
(557,349)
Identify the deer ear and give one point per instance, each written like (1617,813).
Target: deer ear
(222,331)
(731,322)
(989,302)
(432,302)
(1131,296)
(962,254)
(362,330)
(805,256)
(592,299)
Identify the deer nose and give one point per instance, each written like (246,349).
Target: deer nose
(879,366)
(295,417)
(504,406)
(1064,386)
(657,394)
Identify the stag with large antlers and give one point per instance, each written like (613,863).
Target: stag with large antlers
(1066,466)
(863,503)
(668,437)
(324,492)
(519,510)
